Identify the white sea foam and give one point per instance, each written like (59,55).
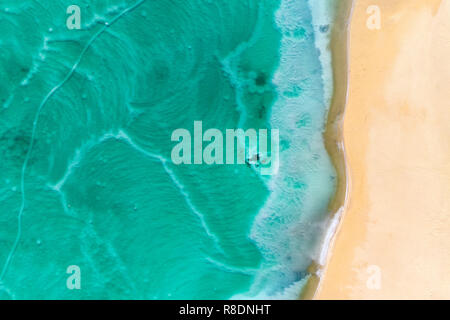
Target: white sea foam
(288,228)
(331,230)
(287,293)
(322,15)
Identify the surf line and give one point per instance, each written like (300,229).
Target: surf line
(36,119)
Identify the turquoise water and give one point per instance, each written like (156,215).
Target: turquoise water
(86,118)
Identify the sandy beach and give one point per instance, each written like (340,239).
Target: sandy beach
(392,240)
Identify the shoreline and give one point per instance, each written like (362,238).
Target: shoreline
(333,139)
(392,242)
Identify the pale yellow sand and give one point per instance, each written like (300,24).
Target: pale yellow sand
(397,140)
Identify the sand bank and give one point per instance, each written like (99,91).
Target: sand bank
(393,240)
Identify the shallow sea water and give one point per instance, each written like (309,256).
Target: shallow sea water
(86,118)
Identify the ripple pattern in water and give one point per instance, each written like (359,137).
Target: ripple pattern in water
(86,118)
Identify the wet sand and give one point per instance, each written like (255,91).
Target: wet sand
(333,133)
